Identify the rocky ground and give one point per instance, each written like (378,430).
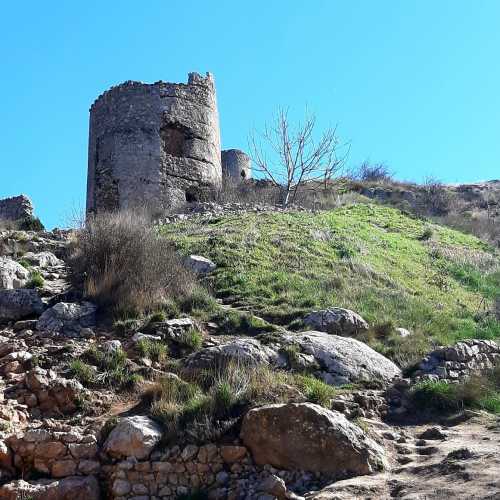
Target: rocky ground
(61,438)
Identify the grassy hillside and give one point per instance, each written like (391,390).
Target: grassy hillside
(389,267)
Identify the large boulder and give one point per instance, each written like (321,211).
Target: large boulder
(337,321)
(69,488)
(12,274)
(133,437)
(305,436)
(200,265)
(68,319)
(20,303)
(344,360)
(245,350)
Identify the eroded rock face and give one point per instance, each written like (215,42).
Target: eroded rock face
(70,488)
(133,437)
(336,321)
(12,274)
(67,319)
(19,304)
(246,350)
(344,360)
(305,436)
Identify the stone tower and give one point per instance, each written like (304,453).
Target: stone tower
(236,165)
(154,144)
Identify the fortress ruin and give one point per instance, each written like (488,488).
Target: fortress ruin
(157,145)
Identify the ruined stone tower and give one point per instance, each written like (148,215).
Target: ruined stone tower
(236,165)
(155,144)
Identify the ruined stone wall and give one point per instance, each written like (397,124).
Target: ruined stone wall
(16,208)
(156,144)
(236,164)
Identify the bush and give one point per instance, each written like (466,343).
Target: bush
(124,265)
(373,172)
(31,224)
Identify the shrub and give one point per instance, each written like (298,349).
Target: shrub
(31,224)
(373,172)
(126,266)
(426,234)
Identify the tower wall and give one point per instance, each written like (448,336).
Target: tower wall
(236,164)
(153,144)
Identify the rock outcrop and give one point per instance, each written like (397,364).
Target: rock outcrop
(12,274)
(19,303)
(344,360)
(67,319)
(336,321)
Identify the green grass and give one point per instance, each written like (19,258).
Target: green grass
(83,372)
(368,258)
(191,339)
(36,280)
(154,350)
(315,390)
(113,370)
(478,391)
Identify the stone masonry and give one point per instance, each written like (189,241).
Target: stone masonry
(236,165)
(154,144)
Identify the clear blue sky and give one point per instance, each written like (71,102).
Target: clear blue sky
(413,83)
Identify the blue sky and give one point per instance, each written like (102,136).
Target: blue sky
(413,83)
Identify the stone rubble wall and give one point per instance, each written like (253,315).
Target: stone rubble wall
(454,363)
(224,471)
(157,143)
(16,208)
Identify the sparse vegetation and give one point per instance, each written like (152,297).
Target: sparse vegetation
(192,339)
(154,350)
(478,391)
(126,267)
(36,280)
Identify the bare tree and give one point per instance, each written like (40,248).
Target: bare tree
(292,159)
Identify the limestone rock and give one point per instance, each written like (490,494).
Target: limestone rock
(67,319)
(344,360)
(133,437)
(19,304)
(403,332)
(245,350)
(200,265)
(42,259)
(16,208)
(337,321)
(12,274)
(69,488)
(305,436)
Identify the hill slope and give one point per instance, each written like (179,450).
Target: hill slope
(376,260)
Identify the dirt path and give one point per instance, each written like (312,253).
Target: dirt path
(462,463)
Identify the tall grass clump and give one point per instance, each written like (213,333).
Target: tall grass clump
(125,266)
